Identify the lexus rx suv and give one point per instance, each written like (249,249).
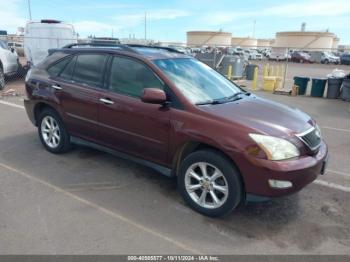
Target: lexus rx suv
(169,111)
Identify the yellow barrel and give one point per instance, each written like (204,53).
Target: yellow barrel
(266,70)
(277,73)
(229,72)
(269,83)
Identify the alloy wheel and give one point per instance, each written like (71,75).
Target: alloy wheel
(50,131)
(206,185)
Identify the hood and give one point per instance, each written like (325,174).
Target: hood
(262,116)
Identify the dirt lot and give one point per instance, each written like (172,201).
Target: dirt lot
(89,202)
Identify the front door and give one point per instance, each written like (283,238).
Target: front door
(126,123)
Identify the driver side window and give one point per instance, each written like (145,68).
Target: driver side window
(130,77)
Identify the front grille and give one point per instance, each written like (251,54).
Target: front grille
(311,138)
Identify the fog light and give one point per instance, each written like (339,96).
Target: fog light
(279,183)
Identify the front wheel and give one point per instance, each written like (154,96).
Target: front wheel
(210,183)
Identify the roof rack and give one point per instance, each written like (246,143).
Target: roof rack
(170,49)
(123,47)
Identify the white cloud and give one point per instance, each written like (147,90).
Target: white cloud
(308,8)
(109,6)
(10,18)
(86,28)
(132,20)
(124,22)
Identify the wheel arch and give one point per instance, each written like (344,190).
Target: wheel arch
(39,107)
(193,146)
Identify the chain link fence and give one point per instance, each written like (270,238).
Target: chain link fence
(255,68)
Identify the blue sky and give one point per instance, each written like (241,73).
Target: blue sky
(169,20)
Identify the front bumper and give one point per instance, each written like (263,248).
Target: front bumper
(300,172)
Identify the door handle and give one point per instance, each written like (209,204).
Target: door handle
(106,101)
(57,87)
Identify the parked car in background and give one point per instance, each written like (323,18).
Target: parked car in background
(279,54)
(255,55)
(8,63)
(301,57)
(171,112)
(267,52)
(17,46)
(324,57)
(41,36)
(345,59)
(181,49)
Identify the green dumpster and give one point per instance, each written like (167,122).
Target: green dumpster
(301,82)
(318,87)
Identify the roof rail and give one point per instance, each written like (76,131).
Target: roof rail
(156,47)
(123,47)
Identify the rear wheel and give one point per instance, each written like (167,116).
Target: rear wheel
(210,183)
(52,132)
(2,79)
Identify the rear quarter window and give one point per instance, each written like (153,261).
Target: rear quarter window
(57,68)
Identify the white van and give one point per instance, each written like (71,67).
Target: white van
(41,36)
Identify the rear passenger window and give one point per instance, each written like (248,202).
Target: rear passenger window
(56,68)
(89,68)
(68,70)
(130,77)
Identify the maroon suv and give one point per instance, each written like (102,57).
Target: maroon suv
(173,113)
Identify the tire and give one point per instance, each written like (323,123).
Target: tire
(227,180)
(2,79)
(48,136)
(326,61)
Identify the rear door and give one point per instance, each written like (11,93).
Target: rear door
(78,88)
(128,124)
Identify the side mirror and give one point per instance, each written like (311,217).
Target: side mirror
(12,49)
(153,96)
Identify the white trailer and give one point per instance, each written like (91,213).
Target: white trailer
(41,36)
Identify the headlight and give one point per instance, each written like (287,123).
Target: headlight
(275,148)
(318,131)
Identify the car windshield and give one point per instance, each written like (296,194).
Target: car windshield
(197,81)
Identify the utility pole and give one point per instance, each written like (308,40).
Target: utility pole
(254,28)
(30,11)
(145,26)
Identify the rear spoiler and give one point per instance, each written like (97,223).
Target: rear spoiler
(53,50)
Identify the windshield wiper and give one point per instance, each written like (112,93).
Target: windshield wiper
(236,96)
(211,102)
(223,100)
